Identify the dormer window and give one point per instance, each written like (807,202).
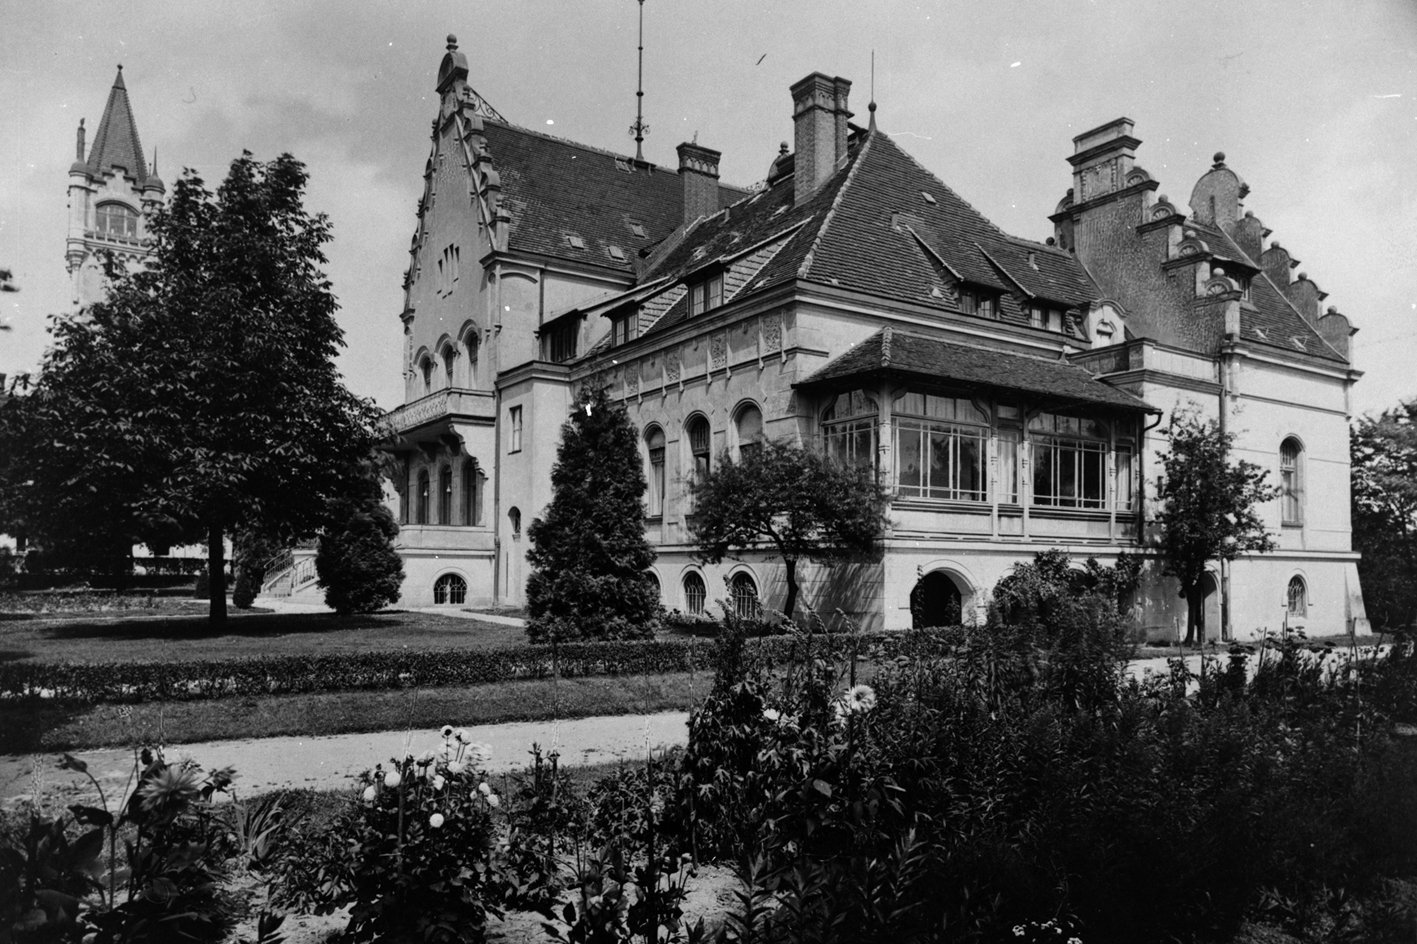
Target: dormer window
(982,304)
(561,342)
(706,295)
(1042,316)
(624,329)
(638,231)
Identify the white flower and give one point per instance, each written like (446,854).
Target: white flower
(447,730)
(772,714)
(1018,930)
(862,698)
(456,767)
(370,793)
(436,820)
(494,801)
(392,778)
(1074,940)
(484,789)
(438,782)
(461,735)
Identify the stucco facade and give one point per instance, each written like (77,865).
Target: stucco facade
(1011,394)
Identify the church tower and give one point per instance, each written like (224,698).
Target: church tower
(111,195)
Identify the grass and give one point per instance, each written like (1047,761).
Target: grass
(39,727)
(245,635)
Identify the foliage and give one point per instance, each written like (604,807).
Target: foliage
(590,559)
(1383,453)
(1206,507)
(58,888)
(793,500)
(251,552)
(201,398)
(412,857)
(356,561)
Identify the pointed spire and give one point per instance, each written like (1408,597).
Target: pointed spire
(872,106)
(116,142)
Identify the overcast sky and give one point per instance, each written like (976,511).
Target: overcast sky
(1314,104)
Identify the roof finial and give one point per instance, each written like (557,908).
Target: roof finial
(872,107)
(639,129)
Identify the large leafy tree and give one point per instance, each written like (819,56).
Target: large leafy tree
(200,398)
(792,502)
(1383,451)
(1206,508)
(590,560)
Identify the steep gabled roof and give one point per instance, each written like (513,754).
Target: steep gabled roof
(116,143)
(1274,321)
(556,188)
(1059,384)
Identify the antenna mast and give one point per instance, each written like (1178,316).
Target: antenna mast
(639,129)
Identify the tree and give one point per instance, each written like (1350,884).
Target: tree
(589,556)
(200,398)
(1383,452)
(793,499)
(1206,508)
(356,561)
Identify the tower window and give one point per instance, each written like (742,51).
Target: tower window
(1291,483)
(116,221)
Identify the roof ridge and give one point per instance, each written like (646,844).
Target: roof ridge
(805,269)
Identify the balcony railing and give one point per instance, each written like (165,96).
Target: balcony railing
(439,405)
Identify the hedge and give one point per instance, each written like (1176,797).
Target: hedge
(88,682)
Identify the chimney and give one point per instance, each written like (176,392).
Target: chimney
(819,119)
(698,169)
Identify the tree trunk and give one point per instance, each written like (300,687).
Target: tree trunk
(791,604)
(216,575)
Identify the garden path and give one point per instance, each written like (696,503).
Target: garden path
(332,763)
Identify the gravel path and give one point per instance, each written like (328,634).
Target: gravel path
(331,763)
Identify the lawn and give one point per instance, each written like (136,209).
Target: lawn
(245,635)
(42,727)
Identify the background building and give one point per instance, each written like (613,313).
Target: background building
(1011,393)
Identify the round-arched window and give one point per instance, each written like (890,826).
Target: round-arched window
(699,440)
(745,596)
(116,221)
(450,357)
(450,588)
(654,442)
(748,426)
(425,367)
(515,517)
(695,593)
(422,497)
(1291,482)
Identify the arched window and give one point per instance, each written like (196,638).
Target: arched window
(450,356)
(749,427)
(1291,482)
(450,588)
(116,221)
(445,495)
(654,442)
(472,490)
(425,367)
(695,593)
(849,429)
(1298,597)
(745,596)
(470,343)
(515,517)
(699,446)
(422,497)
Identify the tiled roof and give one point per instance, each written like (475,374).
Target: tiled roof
(555,188)
(116,142)
(1273,320)
(896,352)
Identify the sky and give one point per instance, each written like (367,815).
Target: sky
(1313,103)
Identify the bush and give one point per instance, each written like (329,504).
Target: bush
(356,561)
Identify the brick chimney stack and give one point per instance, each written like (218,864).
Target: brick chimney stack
(819,119)
(698,169)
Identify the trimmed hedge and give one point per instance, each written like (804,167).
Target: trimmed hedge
(131,682)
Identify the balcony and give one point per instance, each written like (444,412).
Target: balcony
(455,403)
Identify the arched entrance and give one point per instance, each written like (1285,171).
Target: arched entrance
(936,601)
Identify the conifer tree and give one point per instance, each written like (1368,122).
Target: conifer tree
(590,560)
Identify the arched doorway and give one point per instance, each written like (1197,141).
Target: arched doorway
(936,601)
